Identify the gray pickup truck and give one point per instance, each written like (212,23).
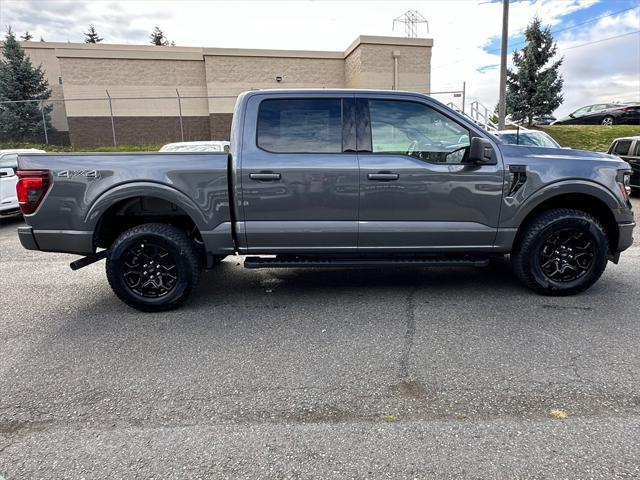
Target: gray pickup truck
(331,178)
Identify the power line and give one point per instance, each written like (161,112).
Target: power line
(577,25)
(496,50)
(599,41)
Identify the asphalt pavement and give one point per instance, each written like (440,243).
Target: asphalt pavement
(395,373)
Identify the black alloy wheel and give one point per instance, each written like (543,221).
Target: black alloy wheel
(149,270)
(567,254)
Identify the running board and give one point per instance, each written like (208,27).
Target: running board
(314,262)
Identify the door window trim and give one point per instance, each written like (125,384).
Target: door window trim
(347,130)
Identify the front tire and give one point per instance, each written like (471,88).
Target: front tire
(153,267)
(608,121)
(561,252)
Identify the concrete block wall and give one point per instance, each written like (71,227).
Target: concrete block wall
(140,73)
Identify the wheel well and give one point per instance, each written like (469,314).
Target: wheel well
(579,201)
(134,211)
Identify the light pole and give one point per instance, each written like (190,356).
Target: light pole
(502,99)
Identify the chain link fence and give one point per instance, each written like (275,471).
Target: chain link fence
(129,120)
(116,120)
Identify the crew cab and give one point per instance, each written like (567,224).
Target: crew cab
(331,178)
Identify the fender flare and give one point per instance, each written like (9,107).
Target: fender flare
(144,189)
(563,187)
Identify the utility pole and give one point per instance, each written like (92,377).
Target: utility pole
(502,101)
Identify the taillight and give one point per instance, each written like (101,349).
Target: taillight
(31,187)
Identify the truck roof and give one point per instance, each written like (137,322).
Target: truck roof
(329,91)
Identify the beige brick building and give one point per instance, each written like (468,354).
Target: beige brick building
(143,82)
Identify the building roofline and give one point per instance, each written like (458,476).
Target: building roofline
(153,52)
(396,41)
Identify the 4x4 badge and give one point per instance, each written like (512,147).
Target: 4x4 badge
(78,173)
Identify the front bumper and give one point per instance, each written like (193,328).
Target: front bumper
(625,236)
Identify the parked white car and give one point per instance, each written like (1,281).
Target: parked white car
(9,179)
(203,146)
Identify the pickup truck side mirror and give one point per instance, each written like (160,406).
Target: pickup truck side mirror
(481,152)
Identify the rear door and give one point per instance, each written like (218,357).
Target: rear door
(417,191)
(299,174)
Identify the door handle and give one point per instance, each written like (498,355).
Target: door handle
(383,176)
(265,176)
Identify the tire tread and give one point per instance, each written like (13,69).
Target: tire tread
(188,252)
(520,256)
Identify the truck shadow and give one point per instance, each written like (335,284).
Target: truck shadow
(8,221)
(464,282)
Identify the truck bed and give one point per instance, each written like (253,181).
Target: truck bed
(85,185)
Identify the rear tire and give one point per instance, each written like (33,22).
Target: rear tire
(153,267)
(561,252)
(608,120)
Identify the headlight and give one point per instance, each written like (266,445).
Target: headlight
(624,182)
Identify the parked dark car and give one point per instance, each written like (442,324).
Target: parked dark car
(604,114)
(628,148)
(544,120)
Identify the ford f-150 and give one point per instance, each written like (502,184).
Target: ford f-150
(331,178)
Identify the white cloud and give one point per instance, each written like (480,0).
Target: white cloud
(461,31)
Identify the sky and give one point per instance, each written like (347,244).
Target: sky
(466,34)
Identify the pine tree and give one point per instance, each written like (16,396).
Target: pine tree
(535,87)
(92,36)
(20,80)
(27,36)
(157,37)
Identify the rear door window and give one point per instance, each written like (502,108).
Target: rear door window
(309,125)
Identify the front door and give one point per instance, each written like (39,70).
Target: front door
(417,190)
(299,175)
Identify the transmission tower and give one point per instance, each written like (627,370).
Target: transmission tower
(411,19)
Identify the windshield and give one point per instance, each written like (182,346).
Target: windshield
(532,139)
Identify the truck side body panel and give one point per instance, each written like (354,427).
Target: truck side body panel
(84,186)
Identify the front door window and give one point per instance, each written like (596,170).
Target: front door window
(416,130)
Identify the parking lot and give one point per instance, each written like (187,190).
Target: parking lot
(437,373)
